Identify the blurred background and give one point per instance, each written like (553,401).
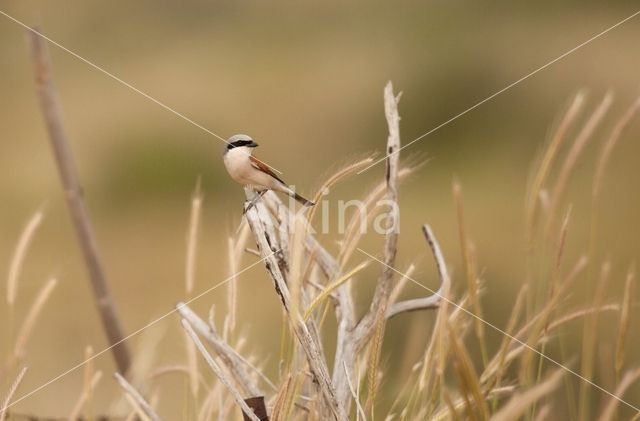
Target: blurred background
(306,81)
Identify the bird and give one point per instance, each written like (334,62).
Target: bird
(246,169)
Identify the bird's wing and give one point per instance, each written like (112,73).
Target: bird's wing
(261,166)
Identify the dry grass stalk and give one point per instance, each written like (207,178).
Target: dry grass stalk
(470,270)
(519,403)
(30,320)
(336,178)
(11,392)
(19,254)
(562,238)
(192,239)
(85,398)
(283,401)
(589,339)
(536,326)
(540,176)
(88,381)
(625,319)
(329,289)
(574,153)
(190,279)
(497,367)
(609,145)
(192,365)
(52,113)
(296,263)
(359,410)
(219,372)
(143,408)
(470,382)
(609,411)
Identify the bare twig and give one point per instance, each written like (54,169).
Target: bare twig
(73,194)
(137,398)
(431,301)
(219,372)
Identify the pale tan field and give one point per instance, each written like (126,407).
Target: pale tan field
(306,81)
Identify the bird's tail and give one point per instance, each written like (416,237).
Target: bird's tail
(301,199)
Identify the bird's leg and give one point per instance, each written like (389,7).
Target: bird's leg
(254,200)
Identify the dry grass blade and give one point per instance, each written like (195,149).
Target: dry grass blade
(470,270)
(575,151)
(296,279)
(589,339)
(536,326)
(11,392)
(335,178)
(548,158)
(320,298)
(611,142)
(190,279)
(353,233)
(625,319)
(219,372)
(497,366)
(518,404)
(356,398)
(18,257)
(610,410)
(192,239)
(31,318)
(470,383)
(283,401)
(84,397)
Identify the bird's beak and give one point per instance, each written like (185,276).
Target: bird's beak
(252,144)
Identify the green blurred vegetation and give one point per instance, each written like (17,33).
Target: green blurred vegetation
(305,80)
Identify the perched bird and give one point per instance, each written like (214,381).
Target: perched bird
(249,171)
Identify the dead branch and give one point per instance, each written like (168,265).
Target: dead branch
(431,301)
(383,288)
(219,372)
(261,225)
(234,362)
(52,113)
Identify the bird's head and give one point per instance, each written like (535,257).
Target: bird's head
(240,141)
